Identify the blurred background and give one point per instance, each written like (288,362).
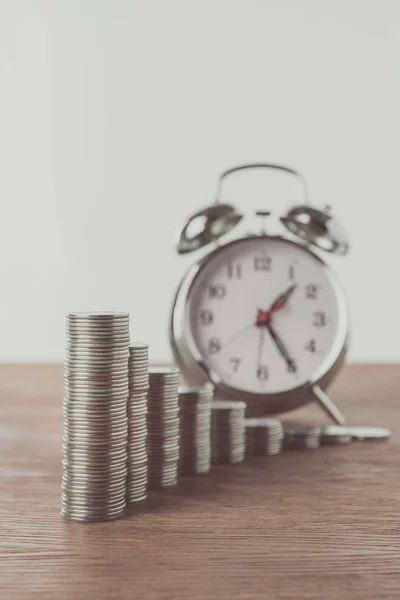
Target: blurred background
(116,117)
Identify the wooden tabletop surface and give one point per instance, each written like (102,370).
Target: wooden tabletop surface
(316,524)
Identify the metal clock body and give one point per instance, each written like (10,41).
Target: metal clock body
(262,317)
(235,284)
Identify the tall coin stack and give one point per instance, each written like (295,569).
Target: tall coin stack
(301,436)
(136,483)
(195,429)
(163,427)
(264,436)
(228,442)
(95,419)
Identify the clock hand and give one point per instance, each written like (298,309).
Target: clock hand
(260,347)
(281,301)
(237,334)
(323,400)
(281,347)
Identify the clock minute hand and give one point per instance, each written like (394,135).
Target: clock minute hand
(281,346)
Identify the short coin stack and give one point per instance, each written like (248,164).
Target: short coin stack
(333,435)
(95,420)
(195,429)
(136,483)
(264,436)
(301,436)
(163,426)
(228,440)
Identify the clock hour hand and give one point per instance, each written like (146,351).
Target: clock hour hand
(264,316)
(281,301)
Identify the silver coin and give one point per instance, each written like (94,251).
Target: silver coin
(97,351)
(109,377)
(136,498)
(95,469)
(88,394)
(301,436)
(95,371)
(94,354)
(98,315)
(334,435)
(228,404)
(137,481)
(164,372)
(97,386)
(98,467)
(93,415)
(92,489)
(97,508)
(95,441)
(98,345)
(137,485)
(87,517)
(358,432)
(88,512)
(79,490)
(93,330)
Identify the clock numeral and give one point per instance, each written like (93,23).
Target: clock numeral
(311,291)
(206,317)
(291,367)
(262,263)
(262,373)
(291,272)
(217,291)
(311,346)
(234,271)
(214,346)
(235,363)
(319,319)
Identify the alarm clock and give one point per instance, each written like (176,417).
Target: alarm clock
(262,317)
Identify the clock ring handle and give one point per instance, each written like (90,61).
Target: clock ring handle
(276,167)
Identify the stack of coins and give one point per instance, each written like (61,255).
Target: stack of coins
(195,429)
(301,436)
(228,441)
(334,435)
(163,427)
(136,483)
(264,436)
(95,420)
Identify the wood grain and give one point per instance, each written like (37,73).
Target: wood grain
(303,525)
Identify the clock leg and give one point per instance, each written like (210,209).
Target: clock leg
(327,405)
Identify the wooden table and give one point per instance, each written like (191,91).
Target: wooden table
(319,524)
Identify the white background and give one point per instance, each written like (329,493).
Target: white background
(117,115)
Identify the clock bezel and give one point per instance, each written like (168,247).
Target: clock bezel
(196,372)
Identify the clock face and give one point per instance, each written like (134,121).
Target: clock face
(265,315)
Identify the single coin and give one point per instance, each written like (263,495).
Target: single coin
(367,433)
